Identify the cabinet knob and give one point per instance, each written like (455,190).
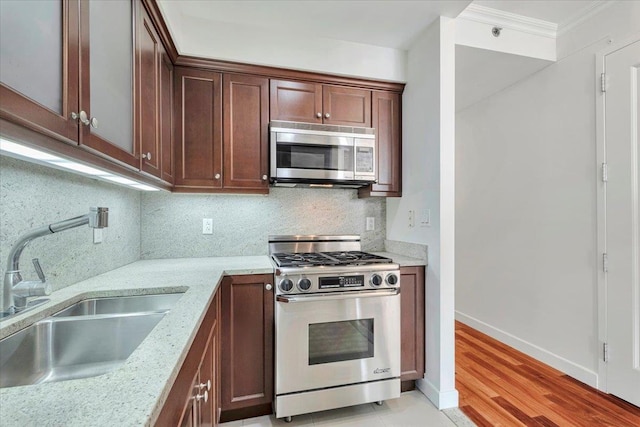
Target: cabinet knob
(264,177)
(206,385)
(217,176)
(327,115)
(319,115)
(146,156)
(204,397)
(268,286)
(84,119)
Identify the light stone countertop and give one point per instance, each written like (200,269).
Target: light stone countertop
(402,260)
(133,394)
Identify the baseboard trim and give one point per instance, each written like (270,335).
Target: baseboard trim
(441,400)
(568,367)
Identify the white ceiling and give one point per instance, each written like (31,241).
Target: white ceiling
(392,24)
(556,11)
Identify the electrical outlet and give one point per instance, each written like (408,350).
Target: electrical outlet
(207,226)
(412,219)
(425,218)
(97,235)
(371,223)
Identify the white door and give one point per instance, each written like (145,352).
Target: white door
(622,117)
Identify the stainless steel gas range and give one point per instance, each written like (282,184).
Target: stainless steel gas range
(337,316)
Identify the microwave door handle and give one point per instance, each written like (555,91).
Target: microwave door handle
(331,296)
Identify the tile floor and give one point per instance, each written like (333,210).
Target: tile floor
(411,409)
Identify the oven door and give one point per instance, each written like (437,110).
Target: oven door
(339,338)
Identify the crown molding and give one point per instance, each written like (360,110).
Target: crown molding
(583,15)
(487,15)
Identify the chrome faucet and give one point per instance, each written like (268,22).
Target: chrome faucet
(15,290)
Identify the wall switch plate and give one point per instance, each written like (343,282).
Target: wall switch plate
(371,223)
(412,219)
(207,226)
(425,218)
(97,235)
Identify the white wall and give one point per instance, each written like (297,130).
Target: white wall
(428,183)
(247,44)
(526,258)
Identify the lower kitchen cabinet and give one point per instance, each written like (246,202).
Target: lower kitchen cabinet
(412,313)
(194,399)
(247,346)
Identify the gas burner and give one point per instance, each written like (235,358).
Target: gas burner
(315,259)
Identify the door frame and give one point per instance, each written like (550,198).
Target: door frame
(601,201)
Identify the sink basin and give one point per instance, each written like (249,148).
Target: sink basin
(119,305)
(65,348)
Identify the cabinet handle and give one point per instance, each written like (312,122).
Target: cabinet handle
(93,122)
(146,156)
(203,385)
(319,115)
(268,286)
(264,177)
(327,115)
(217,176)
(204,397)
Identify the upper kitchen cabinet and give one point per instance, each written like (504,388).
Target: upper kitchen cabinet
(39,65)
(246,129)
(154,101)
(198,129)
(316,103)
(89,73)
(106,109)
(216,156)
(387,120)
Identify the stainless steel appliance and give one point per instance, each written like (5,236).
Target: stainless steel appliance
(337,317)
(322,155)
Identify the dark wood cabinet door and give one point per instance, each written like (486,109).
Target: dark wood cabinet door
(198,128)
(200,365)
(148,57)
(246,346)
(40,66)
(387,120)
(246,122)
(166,117)
(346,106)
(296,101)
(412,315)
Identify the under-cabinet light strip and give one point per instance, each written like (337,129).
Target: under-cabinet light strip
(31,154)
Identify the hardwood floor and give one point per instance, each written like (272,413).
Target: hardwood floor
(500,386)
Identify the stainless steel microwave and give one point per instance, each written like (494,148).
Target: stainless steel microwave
(304,154)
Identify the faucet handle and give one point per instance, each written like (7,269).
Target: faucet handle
(36,265)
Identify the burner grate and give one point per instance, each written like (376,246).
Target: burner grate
(311,259)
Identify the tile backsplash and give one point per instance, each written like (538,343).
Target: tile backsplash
(32,196)
(172,223)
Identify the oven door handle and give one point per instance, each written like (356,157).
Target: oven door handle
(331,296)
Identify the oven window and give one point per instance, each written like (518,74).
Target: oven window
(322,157)
(338,341)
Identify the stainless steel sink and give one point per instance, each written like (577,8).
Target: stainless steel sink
(58,349)
(87,339)
(119,305)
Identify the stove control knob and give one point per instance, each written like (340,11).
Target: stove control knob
(376,280)
(392,279)
(304,284)
(286,285)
